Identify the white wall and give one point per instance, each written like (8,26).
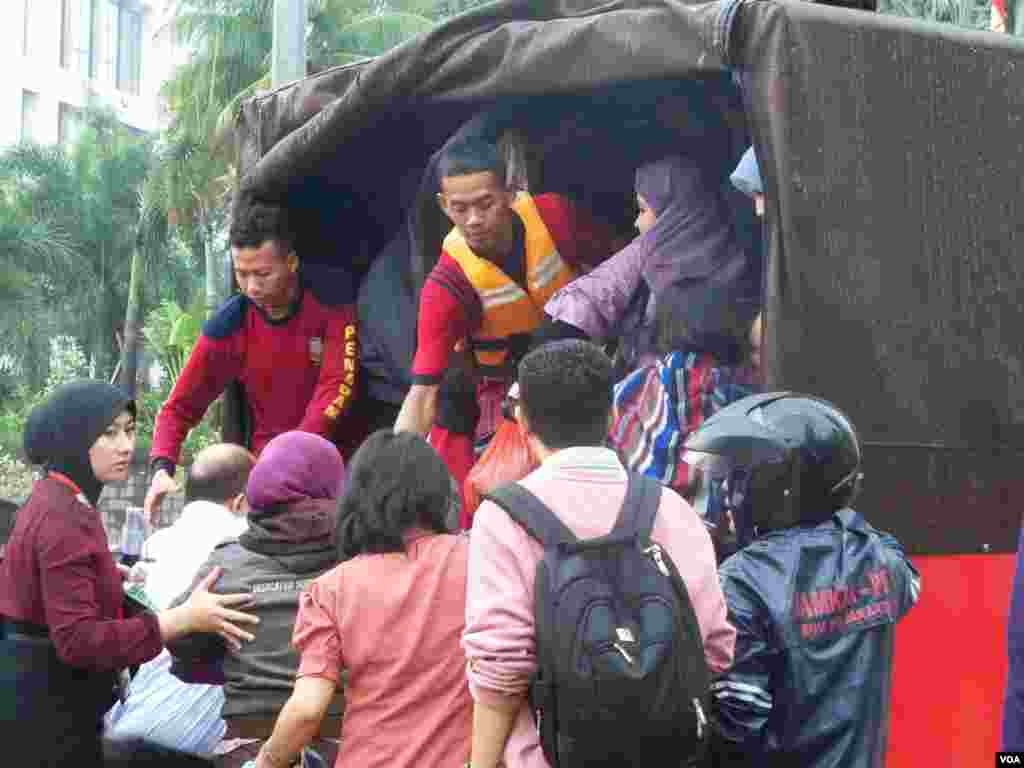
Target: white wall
(40,71)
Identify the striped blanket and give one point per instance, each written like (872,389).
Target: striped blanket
(658,406)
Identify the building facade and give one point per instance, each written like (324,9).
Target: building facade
(59,56)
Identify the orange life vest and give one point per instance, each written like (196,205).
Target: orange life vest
(508,310)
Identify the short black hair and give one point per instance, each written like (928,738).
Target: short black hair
(221,479)
(565,390)
(462,158)
(254,222)
(396,482)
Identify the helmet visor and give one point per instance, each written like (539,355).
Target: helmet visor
(718,487)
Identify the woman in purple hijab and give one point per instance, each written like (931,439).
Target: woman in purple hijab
(686,240)
(293,495)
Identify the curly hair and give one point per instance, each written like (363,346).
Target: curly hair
(565,390)
(396,482)
(254,222)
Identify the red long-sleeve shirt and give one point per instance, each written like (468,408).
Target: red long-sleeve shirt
(297,373)
(58,572)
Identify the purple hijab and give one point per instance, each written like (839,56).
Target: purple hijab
(692,240)
(295,466)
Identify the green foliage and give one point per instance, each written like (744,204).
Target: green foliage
(70,220)
(345,31)
(15,477)
(446,8)
(67,362)
(170,334)
(974,14)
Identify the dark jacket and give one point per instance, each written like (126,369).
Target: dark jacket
(815,611)
(275,570)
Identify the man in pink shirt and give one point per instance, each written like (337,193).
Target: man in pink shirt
(565,407)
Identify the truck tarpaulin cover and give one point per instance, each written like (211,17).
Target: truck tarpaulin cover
(895,285)
(890,151)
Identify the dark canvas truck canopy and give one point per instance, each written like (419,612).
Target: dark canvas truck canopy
(892,159)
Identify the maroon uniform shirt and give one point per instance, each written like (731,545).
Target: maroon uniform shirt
(58,573)
(297,373)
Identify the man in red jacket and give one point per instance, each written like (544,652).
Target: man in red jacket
(290,344)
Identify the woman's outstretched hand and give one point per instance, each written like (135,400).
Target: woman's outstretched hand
(213,613)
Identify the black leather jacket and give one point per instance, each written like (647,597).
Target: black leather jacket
(815,611)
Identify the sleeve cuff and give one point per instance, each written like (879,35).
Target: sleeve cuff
(491,697)
(427,379)
(155,643)
(318,665)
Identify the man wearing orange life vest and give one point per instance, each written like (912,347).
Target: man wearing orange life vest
(504,258)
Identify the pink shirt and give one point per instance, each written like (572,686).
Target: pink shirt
(394,622)
(586,487)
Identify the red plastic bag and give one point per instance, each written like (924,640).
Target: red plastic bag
(506,459)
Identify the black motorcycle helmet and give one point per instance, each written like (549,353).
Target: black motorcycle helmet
(782,459)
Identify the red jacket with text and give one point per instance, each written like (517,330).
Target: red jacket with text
(296,373)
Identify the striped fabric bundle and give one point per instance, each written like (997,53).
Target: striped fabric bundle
(657,407)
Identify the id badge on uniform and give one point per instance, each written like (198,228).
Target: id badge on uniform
(316,350)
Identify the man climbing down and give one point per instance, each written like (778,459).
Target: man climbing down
(288,340)
(507,254)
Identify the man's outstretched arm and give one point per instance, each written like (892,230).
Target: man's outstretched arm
(418,409)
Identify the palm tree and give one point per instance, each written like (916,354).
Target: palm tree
(230,41)
(344,31)
(974,14)
(74,213)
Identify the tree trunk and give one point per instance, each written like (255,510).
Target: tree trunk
(130,354)
(212,271)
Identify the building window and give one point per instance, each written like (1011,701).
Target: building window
(129,50)
(29,113)
(27,30)
(69,124)
(76,36)
(102,40)
(105,49)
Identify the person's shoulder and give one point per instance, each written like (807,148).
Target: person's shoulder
(448,279)
(553,207)
(674,507)
(491,519)
(552,201)
(228,319)
(635,382)
(226,553)
(763,567)
(227,548)
(447,265)
(66,522)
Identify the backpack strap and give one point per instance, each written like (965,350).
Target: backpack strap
(639,508)
(531,513)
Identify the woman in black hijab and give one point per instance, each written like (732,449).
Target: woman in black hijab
(63,627)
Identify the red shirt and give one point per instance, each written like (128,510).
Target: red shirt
(58,573)
(450,308)
(297,373)
(407,700)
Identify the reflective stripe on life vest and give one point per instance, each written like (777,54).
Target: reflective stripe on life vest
(508,309)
